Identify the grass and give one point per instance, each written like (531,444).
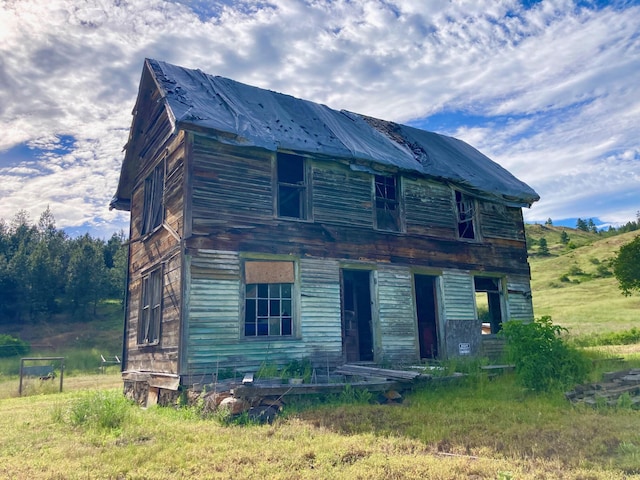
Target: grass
(481,429)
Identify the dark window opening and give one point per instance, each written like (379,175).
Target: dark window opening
(488,303)
(153,208)
(387,203)
(150,308)
(465,208)
(268,310)
(292,186)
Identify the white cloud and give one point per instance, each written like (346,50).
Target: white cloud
(556,83)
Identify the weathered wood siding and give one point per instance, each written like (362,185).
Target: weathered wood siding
(397,317)
(352,206)
(500,221)
(429,209)
(461,325)
(231,186)
(519,302)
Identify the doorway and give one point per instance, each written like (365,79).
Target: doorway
(488,303)
(357,331)
(427,314)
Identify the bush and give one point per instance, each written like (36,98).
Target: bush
(543,360)
(12,347)
(100,410)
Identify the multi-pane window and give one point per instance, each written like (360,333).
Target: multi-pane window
(292,186)
(466,212)
(387,203)
(153,187)
(150,308)
(268,309)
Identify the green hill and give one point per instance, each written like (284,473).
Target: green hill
(574,283)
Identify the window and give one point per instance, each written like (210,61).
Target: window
(292,186)
(466,208)
(488,303)
(268,299)
(152,213)
(387,204)
(150,308)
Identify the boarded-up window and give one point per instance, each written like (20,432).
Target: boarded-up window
(387,203)
(268,299)
(150,308)
(466,211)
(153,189)
(292,186)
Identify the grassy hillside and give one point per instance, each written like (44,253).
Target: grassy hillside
(574,283)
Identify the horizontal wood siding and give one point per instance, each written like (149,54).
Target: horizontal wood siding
(397,319)
(519,302)
(458,295)
(320,320)
(429,208)
(231,186)
(161,358)
(500,221)
(341,196)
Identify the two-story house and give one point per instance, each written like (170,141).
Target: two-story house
(266,228)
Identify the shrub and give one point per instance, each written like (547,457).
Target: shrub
(12,347)
(100,410)
(543,360)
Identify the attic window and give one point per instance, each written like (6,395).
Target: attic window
(292,186)
(387,203)
(150,308)
(466,211)
(153,187)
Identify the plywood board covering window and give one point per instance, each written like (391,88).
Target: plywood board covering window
(268,299)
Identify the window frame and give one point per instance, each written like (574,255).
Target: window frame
(150,314)
(382,180)
(302,187)
(495,300)
(153,204)
(256,306)
(468,215)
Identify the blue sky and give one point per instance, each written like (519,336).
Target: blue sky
(548,89)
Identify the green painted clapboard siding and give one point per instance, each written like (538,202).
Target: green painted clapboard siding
(397,318)
(458,295)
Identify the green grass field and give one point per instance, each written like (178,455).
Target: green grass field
(480,430)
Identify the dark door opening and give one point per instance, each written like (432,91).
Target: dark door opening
(426,311)
(488,303)
(357,333)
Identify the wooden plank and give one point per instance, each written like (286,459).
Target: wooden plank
(360,370)
(244,391)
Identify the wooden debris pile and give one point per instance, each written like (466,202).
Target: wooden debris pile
(615,389)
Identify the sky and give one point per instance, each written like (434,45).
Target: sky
(548,89)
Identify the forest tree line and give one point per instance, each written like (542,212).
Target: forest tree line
(43,271)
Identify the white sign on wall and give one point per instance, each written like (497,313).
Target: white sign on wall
(464,348)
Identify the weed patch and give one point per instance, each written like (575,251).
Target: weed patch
(101,410)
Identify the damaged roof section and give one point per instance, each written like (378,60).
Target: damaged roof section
(244,115)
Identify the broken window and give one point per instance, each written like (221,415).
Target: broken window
(489,303)
(387,203)
(466,211)
(150,308)
(292,186)
(268,299)
(152,212)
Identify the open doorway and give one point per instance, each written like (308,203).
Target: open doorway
(357,332)
(488,303)
(427,315)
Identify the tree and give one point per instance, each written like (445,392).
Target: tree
(543,249)
(549,222)
(564,237)
(626,267)
(85,273)
(582,225)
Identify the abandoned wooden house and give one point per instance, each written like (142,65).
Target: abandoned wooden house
(266,228)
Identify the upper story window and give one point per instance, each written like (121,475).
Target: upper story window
(150,308)
(292,186)
(387,203)
(466,213)
(153,207)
